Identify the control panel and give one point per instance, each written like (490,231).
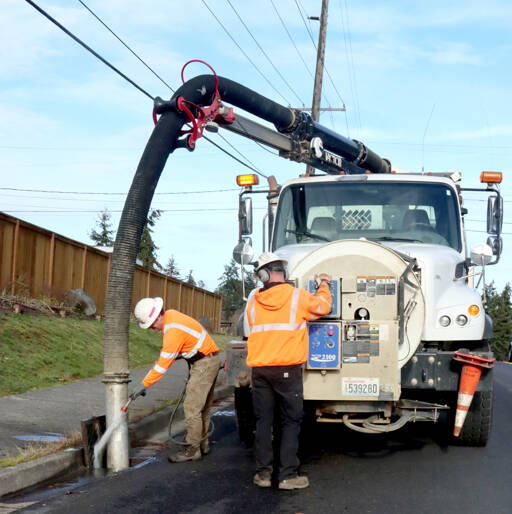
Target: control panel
(334,287)
(324,345)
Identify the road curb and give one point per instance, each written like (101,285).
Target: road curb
(28,474)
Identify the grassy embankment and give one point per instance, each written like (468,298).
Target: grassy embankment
(43,351)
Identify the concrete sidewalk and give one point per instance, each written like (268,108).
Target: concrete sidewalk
(53,413)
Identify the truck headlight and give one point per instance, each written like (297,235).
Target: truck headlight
(461,320)
(444,321)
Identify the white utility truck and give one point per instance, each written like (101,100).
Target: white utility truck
(405,318)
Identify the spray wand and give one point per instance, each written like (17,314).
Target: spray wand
(124,408)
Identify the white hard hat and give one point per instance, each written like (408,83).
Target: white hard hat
(147,310)
(267,258)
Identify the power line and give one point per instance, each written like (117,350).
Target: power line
(111,193)
(264,53)
(348,49)
(94,211)
(292,40)
(88,48)
(240,153)
(163,81)
(245,54)
(314,44)
(126,46)
(236,158)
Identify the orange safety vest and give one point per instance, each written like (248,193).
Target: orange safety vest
(183,337)
(277,321)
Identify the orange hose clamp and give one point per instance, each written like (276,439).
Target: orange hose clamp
(491,177)
(247,180)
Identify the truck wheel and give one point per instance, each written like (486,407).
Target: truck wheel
(245,420)
(477,427)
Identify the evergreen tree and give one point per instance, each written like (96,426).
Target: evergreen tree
(499,307)
(200,284)
(190,279)
(148,248)
(104,236)
(172,269)
(230,289)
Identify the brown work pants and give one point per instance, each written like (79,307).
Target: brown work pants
(199,397)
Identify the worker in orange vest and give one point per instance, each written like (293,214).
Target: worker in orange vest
(277,349)
(183,337)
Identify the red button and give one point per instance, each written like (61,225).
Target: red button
(331,332)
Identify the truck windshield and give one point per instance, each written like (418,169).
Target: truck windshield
(380,211)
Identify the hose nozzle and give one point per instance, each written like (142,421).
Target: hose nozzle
(124,408)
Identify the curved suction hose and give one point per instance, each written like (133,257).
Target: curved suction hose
(370,427)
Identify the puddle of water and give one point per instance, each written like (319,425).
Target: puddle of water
(46,437)
(228,413)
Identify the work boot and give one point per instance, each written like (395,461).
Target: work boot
(298,482)
(205,447)
(261,479)
(188,453)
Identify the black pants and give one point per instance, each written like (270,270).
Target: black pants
(279,389)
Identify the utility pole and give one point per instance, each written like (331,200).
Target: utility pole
(320,57)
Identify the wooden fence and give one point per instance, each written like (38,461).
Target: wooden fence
(37,262)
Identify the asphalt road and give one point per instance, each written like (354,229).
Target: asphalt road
(407,471)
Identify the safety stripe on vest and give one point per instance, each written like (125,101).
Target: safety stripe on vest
(294,306)
(167,355)
(252,309)
(200,336)
(179,326)
(278,326)
(196,347)
(158,368)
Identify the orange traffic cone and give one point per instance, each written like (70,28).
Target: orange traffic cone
(469,378)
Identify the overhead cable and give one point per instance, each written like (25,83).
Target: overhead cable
(265,53)
(245,54)
(350,60)
(88,48)
(126,46)
(101,193)
(111,66)
(314,44)
(156,75)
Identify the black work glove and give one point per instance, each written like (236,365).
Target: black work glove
(140,390)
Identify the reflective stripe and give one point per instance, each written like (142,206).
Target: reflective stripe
(200,338)
(278,326)
(186,329)
(158,368)
(253,310)
(167,355)
(294,305)
(464,400)
(196,347)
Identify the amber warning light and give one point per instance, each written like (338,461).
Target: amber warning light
(247,180)
(491,177)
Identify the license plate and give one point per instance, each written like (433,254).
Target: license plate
(360,386)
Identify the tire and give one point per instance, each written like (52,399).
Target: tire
(477,427)
(245,420)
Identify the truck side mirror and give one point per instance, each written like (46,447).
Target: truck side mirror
(243,252)
(481,254)
(496,244)
(494,214)
(245,215)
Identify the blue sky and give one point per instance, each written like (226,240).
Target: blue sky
(425,84)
